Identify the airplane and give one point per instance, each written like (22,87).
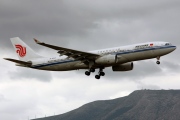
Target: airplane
(119,58)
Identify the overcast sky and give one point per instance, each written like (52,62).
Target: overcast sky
(83,25)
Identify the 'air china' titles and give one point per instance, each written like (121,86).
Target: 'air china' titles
(142,46)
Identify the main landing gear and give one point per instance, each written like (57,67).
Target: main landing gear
(89,72)
(158,62)
(100,73)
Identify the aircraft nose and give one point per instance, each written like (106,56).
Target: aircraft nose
(174,47)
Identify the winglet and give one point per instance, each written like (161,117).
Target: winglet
(37,41)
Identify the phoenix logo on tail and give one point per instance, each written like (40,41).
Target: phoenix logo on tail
(21,50)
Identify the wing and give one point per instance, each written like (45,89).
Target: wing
(19,62)
(77,55)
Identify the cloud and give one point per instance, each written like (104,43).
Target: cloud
(82,25)
(169,66)
(2,98)
(30,74)
(138,21)
(142,85)
(17,102)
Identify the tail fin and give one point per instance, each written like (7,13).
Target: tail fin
(24,52)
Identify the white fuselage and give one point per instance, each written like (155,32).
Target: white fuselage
(123,54)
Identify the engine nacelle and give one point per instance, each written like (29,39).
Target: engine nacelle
(123,67)
(107,59)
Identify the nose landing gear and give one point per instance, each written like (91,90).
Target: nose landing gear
(158,62)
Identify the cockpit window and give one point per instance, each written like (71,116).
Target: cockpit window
(168,44)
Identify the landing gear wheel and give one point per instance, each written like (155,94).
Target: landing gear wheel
(97,77)
(87,73)
(101,73)
(158,58)
(158,62)
(92,70)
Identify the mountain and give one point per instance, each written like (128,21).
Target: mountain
(139,105)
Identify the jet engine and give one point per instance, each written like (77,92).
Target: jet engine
(123,67)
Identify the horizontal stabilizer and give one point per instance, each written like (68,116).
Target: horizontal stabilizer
(19,62)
